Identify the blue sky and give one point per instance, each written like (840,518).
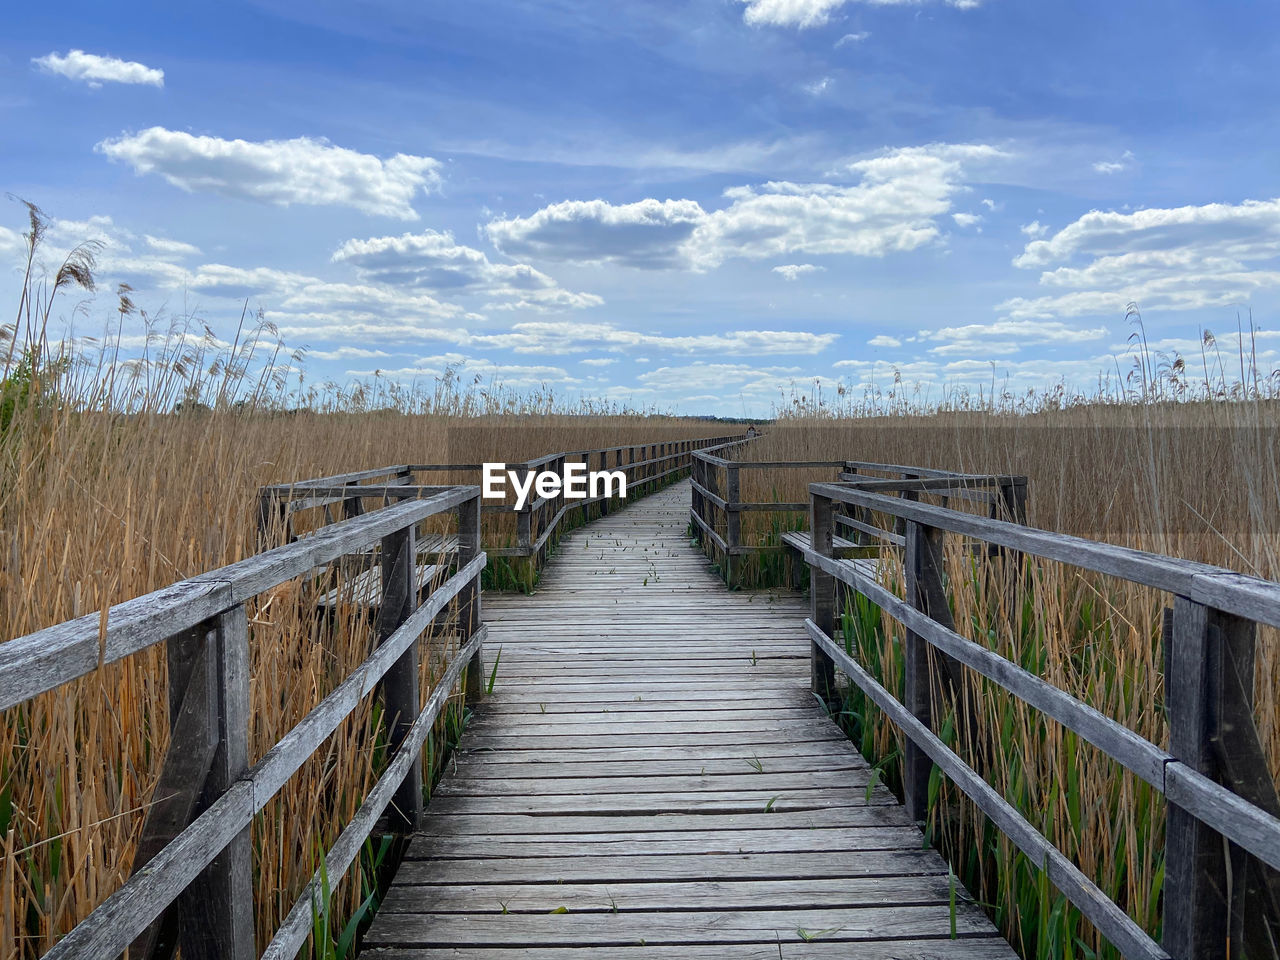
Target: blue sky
(690,205)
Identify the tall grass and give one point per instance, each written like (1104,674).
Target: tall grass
(1168,463)
(131,460)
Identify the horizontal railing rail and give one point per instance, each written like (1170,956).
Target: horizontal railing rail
(645,466)
(192,881)
(717,504)
(1213,774)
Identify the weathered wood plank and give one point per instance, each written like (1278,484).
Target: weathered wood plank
(569,929)
(969,948)
(676,895)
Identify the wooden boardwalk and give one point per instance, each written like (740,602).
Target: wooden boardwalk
(652,778)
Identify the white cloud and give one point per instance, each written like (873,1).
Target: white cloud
(11,242)
(347,353)
(1035,229)
(849,38)
(882,341)
(1115,166)
(95,70)
(966,219)
(793,271)
(283,172)
(814,13)
(818,87)
(1165,258)
(504,374)
(647,233)
(564,336)
(598,361)
(434,260)
(733,379)
(171,248)
(975,372)
(894,207)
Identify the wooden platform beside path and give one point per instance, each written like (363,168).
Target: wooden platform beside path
(652,778)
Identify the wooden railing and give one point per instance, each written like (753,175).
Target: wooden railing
(717,505)
(646,466)
(192,882)
(1223,825)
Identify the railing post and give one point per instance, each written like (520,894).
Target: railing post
(923,568)
(208,695)
(926,668)
(1204,644)
(695,503)
(401,701)
(469,598)
(822,598)
(352,506)
(524,516)
(733,519)
(604,465)
(217,908)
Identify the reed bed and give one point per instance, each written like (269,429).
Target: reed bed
(1184,468)
(124,470)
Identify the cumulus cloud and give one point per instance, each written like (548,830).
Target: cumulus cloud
(803,14)
(95,70)
(793,271)
(434,260)
(599,361)
(547,336)
(966,219)
(895,205)
(647,233)
(1176,258)
(894,208)
(883,341)
(1035,229)
(283,172)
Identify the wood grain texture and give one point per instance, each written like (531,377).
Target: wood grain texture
(651,777)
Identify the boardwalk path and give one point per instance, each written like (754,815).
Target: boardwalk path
(652,778)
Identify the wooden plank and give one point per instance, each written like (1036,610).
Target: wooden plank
(679,895)
(439,823)
(653,867)
(969,948)
(459,786)
(691,843)
(762,801)
(569,929)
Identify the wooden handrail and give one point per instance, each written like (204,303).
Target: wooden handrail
(1210,651)
(537,521)
(204,856)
